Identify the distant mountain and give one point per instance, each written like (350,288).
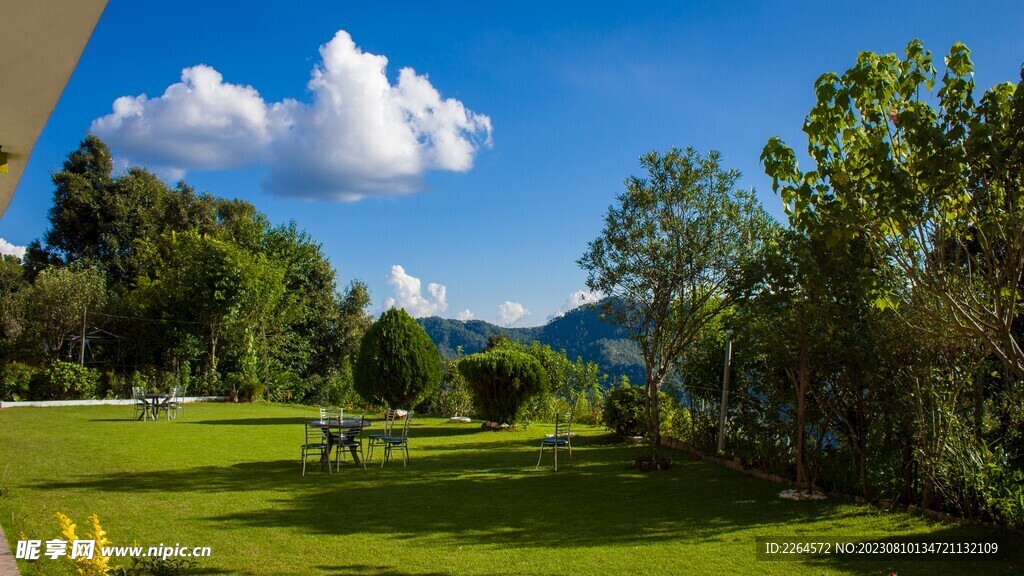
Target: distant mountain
(580,332)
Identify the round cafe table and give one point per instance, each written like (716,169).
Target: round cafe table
(154,402)
(332,439)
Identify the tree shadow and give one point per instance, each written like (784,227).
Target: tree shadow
(486,498)
(289,421)
(1008,560)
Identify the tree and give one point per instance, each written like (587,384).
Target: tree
(666,253)
(501,379)
(398,364)
(215,286)
(935,191)
(58,302)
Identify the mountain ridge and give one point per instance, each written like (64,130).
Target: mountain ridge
(581,332)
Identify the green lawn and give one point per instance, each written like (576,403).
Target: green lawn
(471,502)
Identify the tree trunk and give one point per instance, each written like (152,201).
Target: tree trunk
(212,376)
(801,397)
(653,415)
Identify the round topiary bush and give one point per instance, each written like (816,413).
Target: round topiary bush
(501,379)
(398,364)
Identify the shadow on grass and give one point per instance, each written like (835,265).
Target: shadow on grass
(285,421)
(488,498)
(1009,559)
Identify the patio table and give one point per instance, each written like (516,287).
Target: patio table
(333,424)
(154,402)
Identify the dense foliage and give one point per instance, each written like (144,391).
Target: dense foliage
(201,290)
(501,380)
(876,340)
(398,365)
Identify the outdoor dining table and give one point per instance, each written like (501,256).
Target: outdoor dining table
(154,402)
(332,439)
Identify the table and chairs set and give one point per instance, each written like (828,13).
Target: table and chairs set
(341,434)
(149,405)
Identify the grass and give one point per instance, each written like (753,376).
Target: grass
(471,502)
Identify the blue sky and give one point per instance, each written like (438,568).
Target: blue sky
(508,143)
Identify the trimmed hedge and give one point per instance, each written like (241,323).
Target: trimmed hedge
(501,380)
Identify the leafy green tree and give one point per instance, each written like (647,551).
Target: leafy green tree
(58,301)
(936,190)
(353,321)
(215,286)
(666,253)
(14,289)
(501,379)
(397,364)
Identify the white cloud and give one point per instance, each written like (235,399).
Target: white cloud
(575,300)
(465,315)
(510,313)
(359,136)
(8,249)
(409,295)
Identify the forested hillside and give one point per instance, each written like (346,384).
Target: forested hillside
(580,333)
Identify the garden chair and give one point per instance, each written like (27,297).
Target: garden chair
(139,405)
(170,406)
(348,439)
(315,444)
(378,437)
(562,438)
(177,401)
(398,442)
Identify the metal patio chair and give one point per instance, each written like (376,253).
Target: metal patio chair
(140,407)
(315,444)
(562,438)
(348,439)
(378,437)
(398,443)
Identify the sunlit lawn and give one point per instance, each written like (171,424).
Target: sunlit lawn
(471,502)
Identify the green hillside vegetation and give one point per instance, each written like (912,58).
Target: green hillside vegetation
(580,333)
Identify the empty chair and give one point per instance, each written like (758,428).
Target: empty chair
(177,401)
(378,437)
(348,439)
(140,408)
(562,438)
(398,443)
(315,444)
(170,405)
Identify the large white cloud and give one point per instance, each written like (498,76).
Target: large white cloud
(409,295)
(358,136)
(8,249)
(575,300)
(510,313)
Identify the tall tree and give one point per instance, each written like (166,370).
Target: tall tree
(936,190)
(666,253)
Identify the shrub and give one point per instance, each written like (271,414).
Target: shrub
(625,408)
(398,363)
(501,380)
(68,381)
(454,397)
(15,381)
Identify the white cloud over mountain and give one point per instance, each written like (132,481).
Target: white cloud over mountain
(464,315)
(575,300)
(509,313)
(408,294)
(358,136)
